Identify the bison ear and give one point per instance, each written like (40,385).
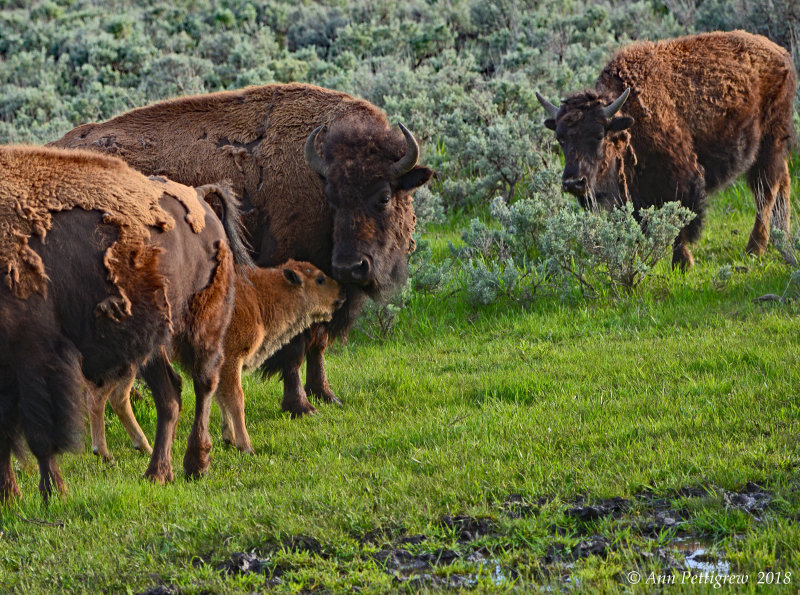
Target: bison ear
(292,277)
(621,123)
(415,178)
(550,123)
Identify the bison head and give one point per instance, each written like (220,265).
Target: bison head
(370,172)
(594,142)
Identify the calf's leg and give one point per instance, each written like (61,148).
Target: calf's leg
(120,399)
(230,397)
(96,398)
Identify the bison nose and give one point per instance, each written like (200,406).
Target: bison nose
(576,186)
(357,271)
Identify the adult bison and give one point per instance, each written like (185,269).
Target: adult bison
(325,177)
(677,119)
(103,267)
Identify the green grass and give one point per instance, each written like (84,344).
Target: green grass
(684,384)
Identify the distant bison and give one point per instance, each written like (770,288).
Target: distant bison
(102,267)
(326,180)
(702,109)
(272,306)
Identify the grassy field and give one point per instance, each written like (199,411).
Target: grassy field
(567,445)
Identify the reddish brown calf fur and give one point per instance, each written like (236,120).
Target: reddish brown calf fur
(110,302)
(702,109)
(355,222)
(272,305)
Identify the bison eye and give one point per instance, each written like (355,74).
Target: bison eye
(384,200)
(320,280)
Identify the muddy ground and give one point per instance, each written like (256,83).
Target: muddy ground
(419,561)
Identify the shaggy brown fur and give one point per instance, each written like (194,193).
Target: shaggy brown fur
(272,305)
(254,138)
(702,109)
(33,185)
(110,303)
(200,296)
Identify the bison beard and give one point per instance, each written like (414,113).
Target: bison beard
(702,109)
(354,191)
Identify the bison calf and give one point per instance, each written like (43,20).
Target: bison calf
(272,305)
(103,267)
(677,119)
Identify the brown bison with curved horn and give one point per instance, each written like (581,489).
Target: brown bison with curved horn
(324,176)
(678,119)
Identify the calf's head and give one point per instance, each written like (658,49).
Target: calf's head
(595,142)
(319,295)
(370,172)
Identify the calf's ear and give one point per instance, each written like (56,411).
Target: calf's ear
(620,123)
(292,277)
(415,178)
(550,123)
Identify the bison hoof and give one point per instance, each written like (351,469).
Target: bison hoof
(300,409)
(682,259)
(194,474)
(195,464)
(103,453)
(159,474)
(143,448)
(756,247)
(9,490)
(326,394)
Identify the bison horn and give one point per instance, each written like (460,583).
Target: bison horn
(409,160)
(551,110)
(312,157)
(612,109)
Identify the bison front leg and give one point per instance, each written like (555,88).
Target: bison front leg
(165,385)
(230,397)
(691,188)
(294,395)
(681,255)
(316,381)
(8,482)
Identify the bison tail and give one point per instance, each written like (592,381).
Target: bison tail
(231,221)
(52,398)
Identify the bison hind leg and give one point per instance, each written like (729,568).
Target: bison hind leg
(8,482)
(205,375)
(165,384)
(769,181)
(49,477)
(52,391)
